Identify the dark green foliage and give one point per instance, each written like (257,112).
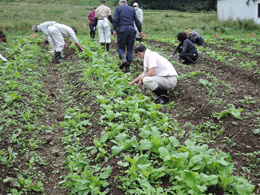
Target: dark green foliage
(181,5)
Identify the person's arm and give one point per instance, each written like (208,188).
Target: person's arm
(89,16)
(141,16)
(175,50)
(95,22)
(137,79)
(110,19)
(115,20)
(137,23)
(185,46)
(78,45)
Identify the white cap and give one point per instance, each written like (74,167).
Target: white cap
(135,4)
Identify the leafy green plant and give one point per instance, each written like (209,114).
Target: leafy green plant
(231,111)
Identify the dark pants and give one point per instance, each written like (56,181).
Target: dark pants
(92,31)
(126,41)
(187,56)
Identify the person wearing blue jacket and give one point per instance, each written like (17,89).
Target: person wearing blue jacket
(123,27)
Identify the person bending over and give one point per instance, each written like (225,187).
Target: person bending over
(187,49)
(159,75)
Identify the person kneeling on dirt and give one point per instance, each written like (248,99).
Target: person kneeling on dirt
(194,37)
(56,32)
(43,27)
(159,75)
(187,49)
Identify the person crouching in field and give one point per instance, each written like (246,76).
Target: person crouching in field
(159,75)
(2,37)
(56,32)
(194,37)
(187,49)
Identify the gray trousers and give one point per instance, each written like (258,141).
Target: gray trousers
(56,37)
(152,82)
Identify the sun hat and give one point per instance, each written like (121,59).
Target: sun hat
(34,27)
(135,4)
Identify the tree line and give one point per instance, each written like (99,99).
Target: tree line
(181,5)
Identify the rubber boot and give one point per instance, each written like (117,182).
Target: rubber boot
(124,62)
(162,96)
(127,67)
(58,57)
(107,46)
(102,45)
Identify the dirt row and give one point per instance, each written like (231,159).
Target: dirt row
(193,105)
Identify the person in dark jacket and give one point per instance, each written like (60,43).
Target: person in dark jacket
(123,23)
(187,49)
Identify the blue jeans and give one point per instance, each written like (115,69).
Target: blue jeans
(126,41)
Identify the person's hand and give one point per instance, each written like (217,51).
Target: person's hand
(141,34)
(82,49)
(66,46)
(114,34)
(131,83)
(170,56)
(140,83)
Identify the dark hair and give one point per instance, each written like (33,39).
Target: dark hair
(2,37)
(181,36)
(75,30)
(139,48)
(102,1)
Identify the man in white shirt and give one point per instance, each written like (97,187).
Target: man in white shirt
(102,15)
(159,75)
(139,14)
(56,32)
(43,27)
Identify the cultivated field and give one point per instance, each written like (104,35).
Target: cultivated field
(80,128)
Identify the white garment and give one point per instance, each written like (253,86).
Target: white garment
(162,66)
(165,74)
(139,14)
(57,32)
(104,31)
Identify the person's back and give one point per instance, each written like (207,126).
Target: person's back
(126,15)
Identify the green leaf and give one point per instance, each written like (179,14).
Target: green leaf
(145,144)
(245,189)
(174,141)
(116,150)
(190,178)
(256,131)
(164,154)
(106,173)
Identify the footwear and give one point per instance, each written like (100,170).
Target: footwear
(127,67)
(162,100)
(124,62)
(58,58)
(162,96)
(181,60)
(102,45)
(107,46)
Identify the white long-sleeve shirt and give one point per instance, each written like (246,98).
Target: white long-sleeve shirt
(43,28)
